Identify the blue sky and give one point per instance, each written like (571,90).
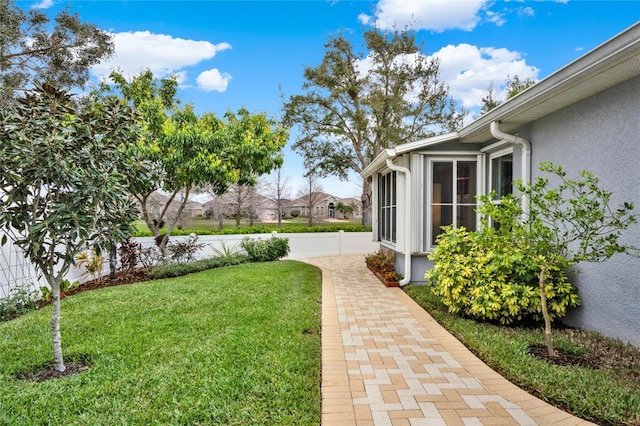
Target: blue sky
(232,54)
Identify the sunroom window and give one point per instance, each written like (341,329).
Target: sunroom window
(453,186)
(502,175)
(387,207)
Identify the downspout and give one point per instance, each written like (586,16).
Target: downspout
(525,157)
(407,222)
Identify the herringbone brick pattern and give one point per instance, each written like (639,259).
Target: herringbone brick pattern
(385,361)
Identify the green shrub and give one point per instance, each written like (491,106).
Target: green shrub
(480,277)
(20,301)
(295,213)
(265,250)
(171,270)
(382,261)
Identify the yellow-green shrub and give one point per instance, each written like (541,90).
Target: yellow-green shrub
(481,277)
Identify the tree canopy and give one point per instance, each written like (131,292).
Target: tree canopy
(181,150)
(354,106)
(34,49)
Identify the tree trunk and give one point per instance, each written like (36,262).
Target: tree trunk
(56,337)
(113,260)
(367,217)
(545,312)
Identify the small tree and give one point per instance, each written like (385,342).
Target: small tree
(62,189)
(345,209)
(183,151)
(311,194)
(278,191)
(566,225)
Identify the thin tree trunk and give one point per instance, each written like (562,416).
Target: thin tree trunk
(113,260)
(366,202)
(545,312)
(56,337)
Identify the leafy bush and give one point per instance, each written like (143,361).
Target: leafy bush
(129,254)
(262,229)
(225,250)
(265,250)
(20,301)
(294,213)
(185,251)
(480,277)
(382,261)
(179,269)
(150,256)
(65,285)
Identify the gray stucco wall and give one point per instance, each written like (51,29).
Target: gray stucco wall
(602,135)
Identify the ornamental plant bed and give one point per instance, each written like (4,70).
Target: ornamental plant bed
(381,263)
(386,282)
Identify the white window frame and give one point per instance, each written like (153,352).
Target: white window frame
(391,207)
(426,204)
(492,156)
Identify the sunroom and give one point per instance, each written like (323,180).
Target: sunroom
(421,186)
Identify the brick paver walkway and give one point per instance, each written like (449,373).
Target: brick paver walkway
(385,361)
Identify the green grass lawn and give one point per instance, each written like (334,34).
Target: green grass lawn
(237,345)
(609,395)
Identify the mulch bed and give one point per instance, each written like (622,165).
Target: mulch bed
(125,277)
(561,357)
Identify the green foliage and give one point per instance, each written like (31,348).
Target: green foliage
(263,229)
(62,187)
(181,150)
(265,250)
(185,251)
(34,49)
(347,117)
(92,263)
(171,270)
(346,210)
(65,285)
(514,85)
(226,251)
(20,301)
(295,213)
(487,278)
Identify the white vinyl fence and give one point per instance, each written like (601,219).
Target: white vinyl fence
(15,270)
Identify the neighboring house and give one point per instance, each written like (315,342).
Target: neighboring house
(324,206)
(586,116)
(254,204)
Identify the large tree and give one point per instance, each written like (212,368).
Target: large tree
(355,105)
(34,49)
(62,189)
(183,151)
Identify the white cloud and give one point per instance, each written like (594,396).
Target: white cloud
(44,4)
(163,54)
(527,11)
(468,70)
(213,80)
(496,18)
(435,15)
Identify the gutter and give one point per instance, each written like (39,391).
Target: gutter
(525,157)
(407,222)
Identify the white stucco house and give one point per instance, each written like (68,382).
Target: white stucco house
(585,116)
